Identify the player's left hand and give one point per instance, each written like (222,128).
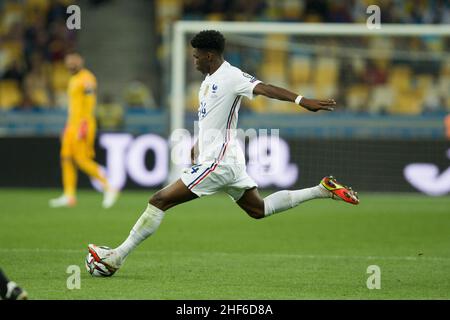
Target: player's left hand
(316,105)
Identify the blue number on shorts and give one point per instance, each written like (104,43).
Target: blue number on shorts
(195,168)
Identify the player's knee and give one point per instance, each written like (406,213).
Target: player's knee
(79,160)
(159,200)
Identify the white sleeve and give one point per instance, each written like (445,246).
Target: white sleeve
(244,84)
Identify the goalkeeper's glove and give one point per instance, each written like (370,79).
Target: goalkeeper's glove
(82,130)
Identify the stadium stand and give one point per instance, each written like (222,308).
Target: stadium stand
(34,40)
(368,84)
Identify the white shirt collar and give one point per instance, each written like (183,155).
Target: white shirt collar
(223,65)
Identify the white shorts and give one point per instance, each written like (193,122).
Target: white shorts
(209,178)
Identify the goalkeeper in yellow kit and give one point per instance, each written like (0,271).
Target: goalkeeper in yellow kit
(77,143)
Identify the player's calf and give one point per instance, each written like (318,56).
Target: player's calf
(279,201)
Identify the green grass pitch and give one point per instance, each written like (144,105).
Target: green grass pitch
(210,249)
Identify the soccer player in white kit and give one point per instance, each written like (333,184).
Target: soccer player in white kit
(218,161)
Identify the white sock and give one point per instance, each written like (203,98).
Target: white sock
(146,225)
(286,199)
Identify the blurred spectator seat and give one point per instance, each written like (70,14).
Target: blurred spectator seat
(110,114)
(14,49)
(407,102)
(34,9)
(10,94)
(400,77)
(273,72)
(36,88)
(431,102)
(59,77)
(357,96)
(292,10)
(275,56)
(216,16)
(325,77)
(300,70)
(192,94)
(427,92)
(12,11)
(424,82)
(255,105)
(381,99)
(138,95)
(167,11)
(276,47)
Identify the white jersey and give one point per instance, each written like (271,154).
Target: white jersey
(220,98)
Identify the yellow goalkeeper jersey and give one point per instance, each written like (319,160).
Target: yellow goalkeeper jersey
(82,97)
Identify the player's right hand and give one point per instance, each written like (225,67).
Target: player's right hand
(316,105)
(82,130)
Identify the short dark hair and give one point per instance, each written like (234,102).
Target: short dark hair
(209,40)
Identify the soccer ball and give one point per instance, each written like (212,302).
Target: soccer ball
(97,268)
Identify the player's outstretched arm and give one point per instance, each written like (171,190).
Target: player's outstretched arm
(278,93)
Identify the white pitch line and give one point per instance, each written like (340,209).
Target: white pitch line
(262,255)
